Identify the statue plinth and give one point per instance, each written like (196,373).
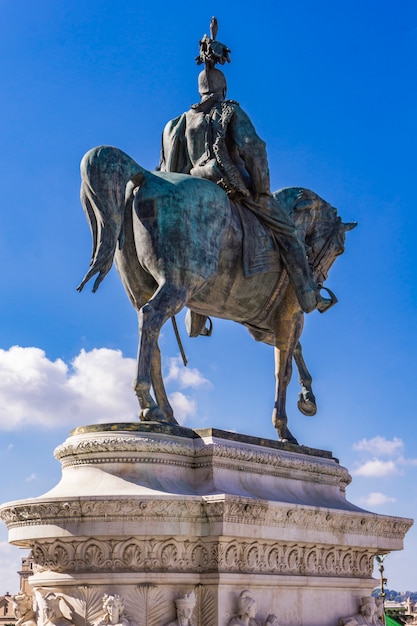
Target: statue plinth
(152,512)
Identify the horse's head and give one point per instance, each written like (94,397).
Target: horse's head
(322,230)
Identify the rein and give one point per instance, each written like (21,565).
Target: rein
(316,265)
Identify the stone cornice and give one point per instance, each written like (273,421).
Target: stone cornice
(74,448)
(210,509)
(143,448)
(276,462)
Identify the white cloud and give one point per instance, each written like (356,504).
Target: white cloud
(380,446)
(184,406)
(10,564)
(403,461)
(96,387)
(31,478)
(184,376)
(376,498)
(376,468)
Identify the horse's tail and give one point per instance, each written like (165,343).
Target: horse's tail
(105,172)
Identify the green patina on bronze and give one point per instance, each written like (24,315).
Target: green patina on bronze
(206,232)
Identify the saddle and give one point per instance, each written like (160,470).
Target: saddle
(260,250)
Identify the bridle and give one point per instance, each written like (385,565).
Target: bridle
(317,262)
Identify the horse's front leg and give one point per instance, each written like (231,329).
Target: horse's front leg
(283,371)
(285,343)
(306,399)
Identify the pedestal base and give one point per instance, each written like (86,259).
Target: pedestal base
(152,513)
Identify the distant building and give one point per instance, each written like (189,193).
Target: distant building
(7,617)
(25,573)
(403,612)
(6,610)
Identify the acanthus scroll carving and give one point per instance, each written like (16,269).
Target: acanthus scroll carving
(185,555)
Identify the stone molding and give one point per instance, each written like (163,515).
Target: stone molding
(273,462)
(71,449)
(277,463)
(243,511)
(306,518)
(196,555)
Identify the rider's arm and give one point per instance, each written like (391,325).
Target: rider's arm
(252,150)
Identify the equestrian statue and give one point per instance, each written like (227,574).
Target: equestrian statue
(205,232)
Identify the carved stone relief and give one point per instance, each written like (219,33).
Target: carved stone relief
(185,608)
(247,613)
(70,451)
(370,614)
(199,555)
(23,608)
(142,605)
(113,611)
(54,609)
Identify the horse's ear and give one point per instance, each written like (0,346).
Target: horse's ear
(349,226)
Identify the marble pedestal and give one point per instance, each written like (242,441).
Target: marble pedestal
(153,512)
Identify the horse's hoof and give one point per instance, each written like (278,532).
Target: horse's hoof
(291,440)
(286,436)
(155,415)
(307,403)
(306,407)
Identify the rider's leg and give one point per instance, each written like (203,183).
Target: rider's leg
(293,252)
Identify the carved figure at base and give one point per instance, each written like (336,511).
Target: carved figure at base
(246,611)
(365,617)
(272,620)
(217,141)
(23,609)
(379,617)
(185,608)
(55,611)
(113,611)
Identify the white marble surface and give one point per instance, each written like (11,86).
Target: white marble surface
(201,510)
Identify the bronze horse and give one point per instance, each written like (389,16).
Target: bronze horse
(177,241)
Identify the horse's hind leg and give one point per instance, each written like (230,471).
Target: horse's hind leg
(167,301)
(159,387)
(306,399)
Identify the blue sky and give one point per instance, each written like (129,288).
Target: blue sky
(331,88)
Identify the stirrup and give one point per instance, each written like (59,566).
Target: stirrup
(324,304)
(196,324)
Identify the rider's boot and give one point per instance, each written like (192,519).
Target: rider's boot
(324,304)
(307,292)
